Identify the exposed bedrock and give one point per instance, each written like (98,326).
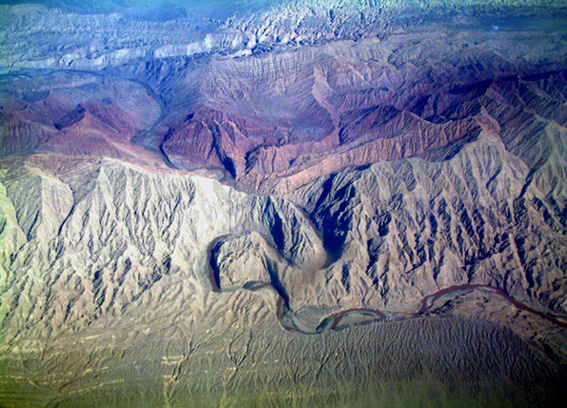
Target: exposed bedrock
(276,123)
(275,119)
(201,208)
(85,239)
(109,236)
(75,113)
(277,150)
(365,172)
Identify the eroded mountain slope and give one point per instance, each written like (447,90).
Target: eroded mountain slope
(381,237)
(217,210)
(112,233)
(123,261)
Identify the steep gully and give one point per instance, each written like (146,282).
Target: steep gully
(332,322)
(285,318)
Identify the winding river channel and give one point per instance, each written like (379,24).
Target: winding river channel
(334,320)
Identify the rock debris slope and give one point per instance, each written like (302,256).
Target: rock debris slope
(107,242)
(217,207)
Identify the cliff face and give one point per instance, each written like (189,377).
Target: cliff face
(220,207)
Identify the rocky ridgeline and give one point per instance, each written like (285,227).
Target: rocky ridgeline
(75,114)
(417,160)
(275,123)
(193,185)
(106,236)
(81,240)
